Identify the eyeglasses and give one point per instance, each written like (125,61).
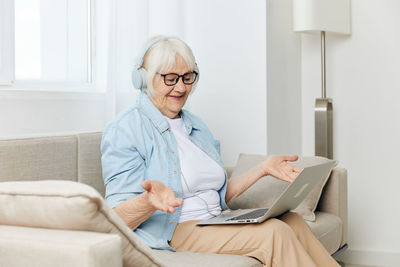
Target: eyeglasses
(171,79)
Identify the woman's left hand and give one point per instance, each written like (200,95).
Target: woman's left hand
(278,167)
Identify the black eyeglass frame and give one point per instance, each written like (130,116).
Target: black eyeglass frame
(179,76)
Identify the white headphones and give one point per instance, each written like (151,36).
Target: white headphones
(139,73)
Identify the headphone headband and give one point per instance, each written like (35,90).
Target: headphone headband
(148,46)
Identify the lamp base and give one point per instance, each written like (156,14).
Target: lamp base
(323,128)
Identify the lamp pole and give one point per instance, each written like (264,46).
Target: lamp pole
(323,114)
(323,65)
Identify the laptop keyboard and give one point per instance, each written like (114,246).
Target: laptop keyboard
(250,215)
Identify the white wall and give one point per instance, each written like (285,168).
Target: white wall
(229,41)
(24,113)
(283,80)
(363,80)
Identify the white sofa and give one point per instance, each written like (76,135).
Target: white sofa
(77,158)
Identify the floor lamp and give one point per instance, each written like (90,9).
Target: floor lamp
(322,16)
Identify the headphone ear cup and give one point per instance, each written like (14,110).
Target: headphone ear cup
(139,78)
(198,72)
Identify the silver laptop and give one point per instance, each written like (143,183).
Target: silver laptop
(290,198)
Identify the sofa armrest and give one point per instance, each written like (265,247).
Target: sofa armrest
(26,246)
(334,198)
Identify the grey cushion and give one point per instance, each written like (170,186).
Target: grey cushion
(38,158)
(327,228)
(89,161)
(266,190)
(184,259)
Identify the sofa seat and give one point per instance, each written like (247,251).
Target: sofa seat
(328,230)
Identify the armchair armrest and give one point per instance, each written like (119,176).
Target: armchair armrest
(26,246)
(334,198)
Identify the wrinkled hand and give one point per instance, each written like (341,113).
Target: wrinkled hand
(160,196)
(278,167)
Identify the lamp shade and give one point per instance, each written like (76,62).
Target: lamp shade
(321,15)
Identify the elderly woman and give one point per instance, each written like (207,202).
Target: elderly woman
(163,172)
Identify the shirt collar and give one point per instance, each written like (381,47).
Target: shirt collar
(188,121)
(157,118)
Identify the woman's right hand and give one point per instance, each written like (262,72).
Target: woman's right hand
(160,196)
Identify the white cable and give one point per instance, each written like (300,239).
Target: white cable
(194,194)
(184,179)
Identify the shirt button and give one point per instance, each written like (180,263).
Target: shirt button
(171,221)
(174,171)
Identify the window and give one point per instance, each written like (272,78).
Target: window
(49,43)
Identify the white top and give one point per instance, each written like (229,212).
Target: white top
(201,177)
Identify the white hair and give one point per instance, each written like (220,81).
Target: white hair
(161,57)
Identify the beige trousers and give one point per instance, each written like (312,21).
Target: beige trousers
(287,241)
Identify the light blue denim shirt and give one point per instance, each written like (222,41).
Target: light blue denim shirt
(138,145)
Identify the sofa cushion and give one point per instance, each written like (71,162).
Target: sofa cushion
(38,158)
(28,246)
(184,259)
(266,190)
(327,228)
(89,161)
(71,206)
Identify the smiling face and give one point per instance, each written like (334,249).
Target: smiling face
(170,99)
